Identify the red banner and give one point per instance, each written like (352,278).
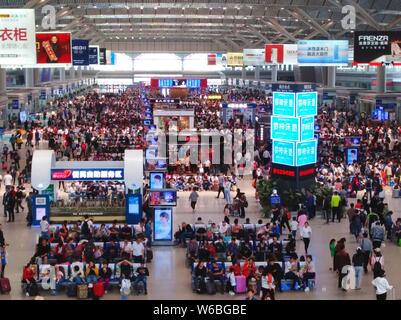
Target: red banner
(53,48)
(274,53)
(211,59)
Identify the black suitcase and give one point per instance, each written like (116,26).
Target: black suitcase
(149,255)
(72,290)
(210,287)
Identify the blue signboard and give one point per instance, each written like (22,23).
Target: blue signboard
(295,87)
(93,55)
(80,52)
(15,103)
(87,174)
(42,95)
(307,128)
(60,90)
(284,104)
(306,153)
(284,152)
(306,104)
(285,128)
(165,83)
(40,208)
(133,208)
(323,52)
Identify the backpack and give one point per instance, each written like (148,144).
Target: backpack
(33,289)
(125,287)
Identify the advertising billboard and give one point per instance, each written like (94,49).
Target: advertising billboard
(375,47)
(93,54)
(323,52)
(284,128)
(284,104)
(235,59)
(53,49)
(163,224)
(80,52)
(211,59)
(254,57)
(102,56)
(86,174)
(306,104)
(281,54)
(306,153)
(17,37)
(307,128)
(284,152)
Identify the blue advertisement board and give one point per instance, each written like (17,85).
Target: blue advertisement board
(94,55)
(323,52)
(40,208)
(15,103)
(80,52)
(306,104)
(306,153)
(133,208)
(284,152)
(307,128)
(284,104)
(285,128)
(42,95)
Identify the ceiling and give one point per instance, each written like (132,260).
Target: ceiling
(210,25)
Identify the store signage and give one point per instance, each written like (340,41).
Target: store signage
(164,101)
(17,37)
(284,103)
(53,49)
(254,57)
(93,54)
(87,174)
(299,87)
(323,52)
(80,52)
(377,47)
(281,54)
(235,59)
(306,104)
(214,97)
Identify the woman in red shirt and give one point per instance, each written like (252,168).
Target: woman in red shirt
(29,273)
(249,269)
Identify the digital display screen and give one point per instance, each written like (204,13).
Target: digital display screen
(352,141)
(179,83)
(155,164)
(163,224)
(284,104)
(156,180)
(306,104)
(163,198)
(151,153)
(352,155)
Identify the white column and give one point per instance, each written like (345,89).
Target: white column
(274,72)
(29,78)
(257,72)
(381,79)
(243,73)
(79,72)
(72,73)
(331,77)
(3,97)
(62,74)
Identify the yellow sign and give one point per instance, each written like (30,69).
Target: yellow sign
(235,59)
(214,97)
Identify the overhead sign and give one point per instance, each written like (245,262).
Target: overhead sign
(284,152)
(93,54)
(281,54)
(179,83)
(87,174)
(284,104)
(17,37)
(53,49)
(254,57)
(211,59)
(306,103)
(102,56)
(80,52)
(375,47)
(110,57)
(306,153)
(235,59)
(323,52)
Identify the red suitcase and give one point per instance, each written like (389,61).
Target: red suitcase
(98,289)
(5,286)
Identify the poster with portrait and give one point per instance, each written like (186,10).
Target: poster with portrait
(163,224)
(53,49)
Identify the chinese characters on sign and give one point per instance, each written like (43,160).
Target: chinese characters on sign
(284,103)
(87,174)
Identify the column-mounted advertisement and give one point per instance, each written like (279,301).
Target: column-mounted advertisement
(17,37)
(281,54)
(93,54)
(102,56)
(377,47)
(80,52)
(53,49)
(254,57)
(323,52)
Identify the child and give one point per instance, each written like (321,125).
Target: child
(125,288)
(231,281)
(332,247)
(294,227)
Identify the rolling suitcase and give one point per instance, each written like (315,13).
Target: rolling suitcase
(210,287)
(82,291)
(5,286)
(240,284)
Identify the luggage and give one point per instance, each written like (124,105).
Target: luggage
(348,281)
(219,287)
(240,286)
(210,287)
(32,289)
(286,285)
(396,193)
(82,291)
(98,290)
(72,290)
(125,287)
(5,286)
(149,255)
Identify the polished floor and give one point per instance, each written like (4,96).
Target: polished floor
(170,279)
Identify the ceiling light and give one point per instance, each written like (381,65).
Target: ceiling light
(224,8)
(79,7)
(132,38)
(141,7)
(155,8)
(281,8)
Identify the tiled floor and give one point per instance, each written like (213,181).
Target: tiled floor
(170,279)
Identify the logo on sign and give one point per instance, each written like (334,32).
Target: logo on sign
(61,175)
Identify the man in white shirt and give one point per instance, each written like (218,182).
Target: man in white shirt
(138,251)
(44,228)
(8,179)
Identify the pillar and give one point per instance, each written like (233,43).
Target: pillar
(3,97)
(62,74)
(79,72)
(274,72)
(29,78)
(331,77)
(381,79)
(257,72)
(243,73)
(72,73)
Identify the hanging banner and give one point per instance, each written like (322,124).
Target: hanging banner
(110,57)
(93,54)
(211,59)
(254,57)
(377,47)
(102,56)
(235,59)
(53,49)
(281,54)
(323,52)
(80,52)
(17,37)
